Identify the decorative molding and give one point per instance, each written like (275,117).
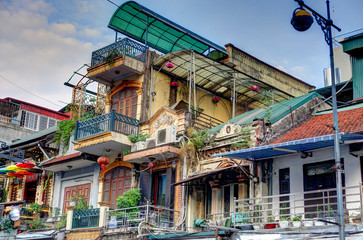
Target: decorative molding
(116,163)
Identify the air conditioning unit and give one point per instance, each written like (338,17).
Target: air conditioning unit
(138,146)
(150,143)
(166,135)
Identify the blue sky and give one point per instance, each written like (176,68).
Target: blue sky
(43,42)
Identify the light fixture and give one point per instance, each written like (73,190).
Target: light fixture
(69,167)
(301,20)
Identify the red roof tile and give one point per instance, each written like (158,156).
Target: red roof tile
(63,158)
(349,121)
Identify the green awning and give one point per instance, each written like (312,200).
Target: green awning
(131,19)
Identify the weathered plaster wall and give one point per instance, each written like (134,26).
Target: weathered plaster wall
(9,132)
(262,71)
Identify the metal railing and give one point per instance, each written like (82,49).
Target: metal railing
(319,205)
(108,122)
(86,218)
(125,46)
(202,121)
(157,216)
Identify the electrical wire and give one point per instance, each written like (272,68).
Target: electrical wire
(29,91)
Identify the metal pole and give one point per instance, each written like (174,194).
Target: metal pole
(151,91)
(190,80)
(234,96)
(336,134)
(147,30)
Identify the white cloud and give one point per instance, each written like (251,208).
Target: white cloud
(38,55)
(298,69)
(64,28)
(87,32)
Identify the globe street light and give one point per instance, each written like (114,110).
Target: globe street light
(301,21)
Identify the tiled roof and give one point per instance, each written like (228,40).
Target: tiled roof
(349,121)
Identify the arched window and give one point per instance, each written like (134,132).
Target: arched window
(125,102)
(116,182)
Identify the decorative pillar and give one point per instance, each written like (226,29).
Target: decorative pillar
(103,216)
(69,217)
(100,191)
(216,201)
(242,187)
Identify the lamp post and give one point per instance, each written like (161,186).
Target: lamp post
(302,21)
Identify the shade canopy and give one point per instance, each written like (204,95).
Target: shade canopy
(139,22)
(218,78)
(285,148)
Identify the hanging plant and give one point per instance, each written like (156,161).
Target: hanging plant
(174,84)
(169,65)
(255,89)
(216,100)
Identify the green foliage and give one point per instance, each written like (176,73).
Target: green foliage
(130,198)
(284,218)
(6,224)
(62,223)
(126,151)
(297,218)
(36,223)
(110,58)
(198,139)
(141,137)
(56,211)
(81,203)
(35,207)
(66,127)
(3,194)
(243,139)
(46,183)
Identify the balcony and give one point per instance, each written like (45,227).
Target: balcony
(116,61)
(311,208)
(105,134)
(159,217)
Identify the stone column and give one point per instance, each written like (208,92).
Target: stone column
(216,198)
(69,217)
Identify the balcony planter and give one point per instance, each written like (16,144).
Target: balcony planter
(284,224)
(216,100)
(270,225)
(296,224)
(257,226)
(309,223)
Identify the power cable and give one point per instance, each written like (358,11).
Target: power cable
(29,91)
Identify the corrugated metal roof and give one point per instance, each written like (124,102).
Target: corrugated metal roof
(278,111)
(34,136)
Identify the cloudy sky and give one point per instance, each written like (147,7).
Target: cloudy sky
(42,42)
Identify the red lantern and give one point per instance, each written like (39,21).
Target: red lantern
(103,161)
(169,65)
(25,164)
(174,84)
(151,164)
(254,88)
(216,100)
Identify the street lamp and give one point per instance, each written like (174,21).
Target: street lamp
(301,21)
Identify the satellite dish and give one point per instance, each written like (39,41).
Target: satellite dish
(14,214)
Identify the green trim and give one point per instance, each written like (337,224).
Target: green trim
(164,35)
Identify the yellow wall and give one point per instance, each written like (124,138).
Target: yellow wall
(221,110)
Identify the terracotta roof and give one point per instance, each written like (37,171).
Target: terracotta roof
(62,158)
(350,121)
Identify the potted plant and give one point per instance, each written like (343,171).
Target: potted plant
(356,218)
(284,222)
(319,215)
(308,221)
(296,222)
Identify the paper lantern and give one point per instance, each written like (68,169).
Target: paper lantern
(174,84)
(103,161)
(169,65)
(151,164)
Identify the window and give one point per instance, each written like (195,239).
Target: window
(117,181)
(284,177)
(36,122)
(125,102)
(159,189)
(31,121)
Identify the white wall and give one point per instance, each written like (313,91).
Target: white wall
(295,163)
(60,183)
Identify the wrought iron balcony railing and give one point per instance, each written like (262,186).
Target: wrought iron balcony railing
(125,46)
(157,216)
(112,121)
(86,218)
